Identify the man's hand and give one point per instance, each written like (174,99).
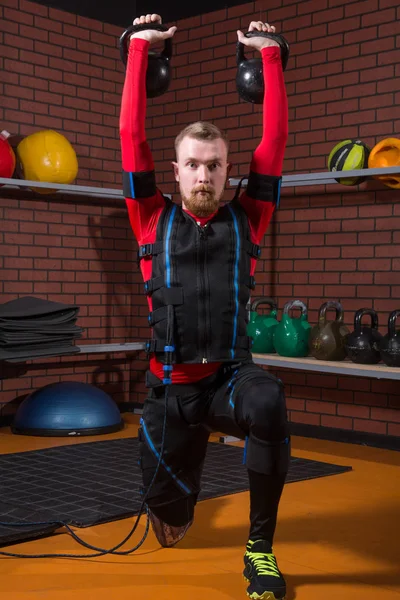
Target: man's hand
(258,43)
(152,35)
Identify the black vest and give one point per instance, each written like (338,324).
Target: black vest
(200,286)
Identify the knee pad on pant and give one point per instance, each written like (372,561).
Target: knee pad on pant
(264,410)
(267,457)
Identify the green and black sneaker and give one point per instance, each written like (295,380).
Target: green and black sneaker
(262,573)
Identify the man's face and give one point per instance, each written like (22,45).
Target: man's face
(201,171)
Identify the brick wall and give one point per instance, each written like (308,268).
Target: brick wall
(63,72)
(326,242)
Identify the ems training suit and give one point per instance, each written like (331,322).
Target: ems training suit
(198,274)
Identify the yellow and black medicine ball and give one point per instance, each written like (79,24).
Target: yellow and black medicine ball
(349,155)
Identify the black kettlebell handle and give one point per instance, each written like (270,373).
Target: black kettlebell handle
(359,315)
(124,39)
(264,300)
(284,46)
(392,323)
(327,306)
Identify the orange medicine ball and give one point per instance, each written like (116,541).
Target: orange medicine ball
(386,154)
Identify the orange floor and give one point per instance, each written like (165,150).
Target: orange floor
(336,539)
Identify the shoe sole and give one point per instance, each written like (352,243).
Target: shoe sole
(264,595)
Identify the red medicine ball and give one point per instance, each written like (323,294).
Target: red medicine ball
(7,156)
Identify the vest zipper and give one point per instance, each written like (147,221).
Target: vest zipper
(203,294)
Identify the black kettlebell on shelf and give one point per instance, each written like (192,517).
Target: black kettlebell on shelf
(327,338)
(390,343)
(158,75)
(249,76)
(362,345)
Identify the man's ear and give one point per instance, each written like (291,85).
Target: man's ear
(176,171)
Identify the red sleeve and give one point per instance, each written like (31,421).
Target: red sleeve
(267,159)
(144,201)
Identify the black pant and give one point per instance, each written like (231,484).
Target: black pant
(242,400)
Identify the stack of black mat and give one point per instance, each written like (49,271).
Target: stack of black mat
(32,327)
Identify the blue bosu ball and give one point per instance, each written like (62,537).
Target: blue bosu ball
(67,409)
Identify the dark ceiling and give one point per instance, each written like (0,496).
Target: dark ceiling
(122,12)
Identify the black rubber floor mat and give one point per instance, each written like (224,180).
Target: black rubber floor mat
(96,482)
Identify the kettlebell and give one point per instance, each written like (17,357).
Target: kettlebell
(158,75)
(291,335)
(249,76)
(327,338)
(362,345)
(390,343)
(261,327)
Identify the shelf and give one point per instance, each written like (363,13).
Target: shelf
(300,179)
(344,367)
(328,178)
(106,348)
(75,190)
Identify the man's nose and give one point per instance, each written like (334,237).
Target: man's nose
(204,174)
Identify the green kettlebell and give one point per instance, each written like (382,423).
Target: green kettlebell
(327,339)
(291,335)
(261,327)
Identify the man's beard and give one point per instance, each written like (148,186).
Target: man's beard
(201,205)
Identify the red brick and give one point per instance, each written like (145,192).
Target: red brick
(306,418)
(32,7)
(310,6)
(377,101)
(47,74)
(361,7)
(370,426)
(70,30)
(326,278)
(387,251)
(373,291)
(213,17)
(385,414)
(376,129)
(14,287)
(375,264)
(368,399)
(377,73)
(342,291)
(385,386)
(335,395)
(388,114)
(294,403)
(361,62)
(376,18)
(383,306)
(377,46)
(328,408)
(393,429)
(356,278)
(338,422)
(60,15)
(343,25)
(344,52)
(312,33)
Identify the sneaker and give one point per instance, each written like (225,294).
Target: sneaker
(167,535)
(262,573)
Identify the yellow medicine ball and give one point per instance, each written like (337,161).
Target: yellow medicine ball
(47,156)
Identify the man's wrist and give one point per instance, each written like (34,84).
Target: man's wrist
(139,43)
(269,44)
